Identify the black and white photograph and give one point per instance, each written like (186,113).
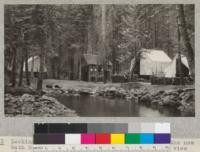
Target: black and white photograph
(99,60)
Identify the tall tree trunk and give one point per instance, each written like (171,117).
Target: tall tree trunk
(32,68)
(155,35)
(13,79)
(186,39)
(179,70)
(59,62)
(53,62)
(21,71)
(40,76)
(114,40)
(79,68)
(103,37)
(26,67)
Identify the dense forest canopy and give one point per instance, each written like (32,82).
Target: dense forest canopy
(61,34)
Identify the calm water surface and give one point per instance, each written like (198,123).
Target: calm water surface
(92,106)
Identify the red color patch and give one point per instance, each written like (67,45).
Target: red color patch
(102,138)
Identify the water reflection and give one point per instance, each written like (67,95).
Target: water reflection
(92,106)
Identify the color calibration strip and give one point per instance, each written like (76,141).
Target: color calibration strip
(129,138)
(76,134)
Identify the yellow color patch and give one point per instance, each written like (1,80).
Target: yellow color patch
(117,138)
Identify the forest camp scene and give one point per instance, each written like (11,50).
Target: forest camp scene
(99,60)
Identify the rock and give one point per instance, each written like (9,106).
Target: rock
(187,109)
(76,94)
(171,92)
(170,100)
(122,93)
(57,87)
(181,94)
(111,91)
(189,97)
(161,92)
(146,98)
(71,91)
(44,97)
(188,89)
(27,98)
(35,106)
(135,99)
(84,91)
(66,92)
(132,91)
(180,91)
(27,109)
(7,97)
(60,91)
(154,104)
(49,86)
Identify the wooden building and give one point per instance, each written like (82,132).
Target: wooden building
(92,68)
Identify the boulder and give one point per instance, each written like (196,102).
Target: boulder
(188,89)
(154,104)
(27,109)
(47,98)
(187,109)
(84,91)
(8,97)
(49,86)
(57,86)
(122,93)
(111,91)
(170,100)
(146,98)
(171,92)
(182,94)
(161,92)
(27,98)
(180,91)
(188,97)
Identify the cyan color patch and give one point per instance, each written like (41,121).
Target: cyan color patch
(146,138)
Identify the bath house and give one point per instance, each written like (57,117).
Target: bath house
(92,68)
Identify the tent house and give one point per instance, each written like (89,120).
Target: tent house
(92,68)
(34,65)
(173,71)
(150,62)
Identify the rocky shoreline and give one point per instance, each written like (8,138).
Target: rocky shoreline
(36,106)
(33,105)
(183,99)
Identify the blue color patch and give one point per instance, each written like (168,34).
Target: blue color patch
(146,138)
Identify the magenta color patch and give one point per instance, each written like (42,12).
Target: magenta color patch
(87,138)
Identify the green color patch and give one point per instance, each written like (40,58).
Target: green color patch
(132,138)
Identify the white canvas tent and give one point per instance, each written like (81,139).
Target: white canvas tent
(170,71)
(152,62)
(35,61)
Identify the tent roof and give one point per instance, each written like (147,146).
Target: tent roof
(31,58)
(36,66)
(92,59)
(155,55)
(170,71)
(184,61)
